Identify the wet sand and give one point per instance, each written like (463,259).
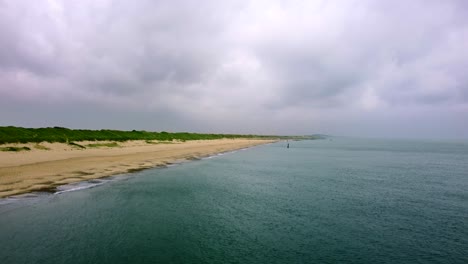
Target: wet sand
(47,165)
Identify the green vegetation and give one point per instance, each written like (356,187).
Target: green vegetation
(153,142)
(98,145)
(37,146)
(12,134)
(76,145)
(15,149)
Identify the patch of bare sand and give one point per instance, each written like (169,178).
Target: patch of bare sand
(54,164)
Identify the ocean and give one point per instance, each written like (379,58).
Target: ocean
(321,201)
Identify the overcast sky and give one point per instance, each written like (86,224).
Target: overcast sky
(356,68)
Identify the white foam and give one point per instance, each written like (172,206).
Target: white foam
(85,185)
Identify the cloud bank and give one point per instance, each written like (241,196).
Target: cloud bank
(369,68)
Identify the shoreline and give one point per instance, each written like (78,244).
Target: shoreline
(55,164)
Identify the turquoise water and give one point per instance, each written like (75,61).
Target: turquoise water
(340,201)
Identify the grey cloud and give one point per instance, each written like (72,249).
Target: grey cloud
(406,35)
(19,50)
(311,79)
(193,64)
(150,44)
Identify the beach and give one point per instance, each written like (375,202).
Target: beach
(48,165)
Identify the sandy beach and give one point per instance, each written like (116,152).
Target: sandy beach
(48,165)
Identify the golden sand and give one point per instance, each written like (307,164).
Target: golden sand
(48,165)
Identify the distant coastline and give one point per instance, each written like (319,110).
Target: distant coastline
(40,159)
(12,134)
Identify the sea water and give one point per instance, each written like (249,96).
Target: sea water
(322,201)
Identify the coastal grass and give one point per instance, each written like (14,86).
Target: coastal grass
(156,142)
(14,149)
(99,145)
(76,145)
(41,147)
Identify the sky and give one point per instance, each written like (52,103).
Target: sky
(365,68)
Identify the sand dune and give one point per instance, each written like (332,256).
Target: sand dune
(48,165)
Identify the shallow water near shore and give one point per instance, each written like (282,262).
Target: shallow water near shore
(322,201)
